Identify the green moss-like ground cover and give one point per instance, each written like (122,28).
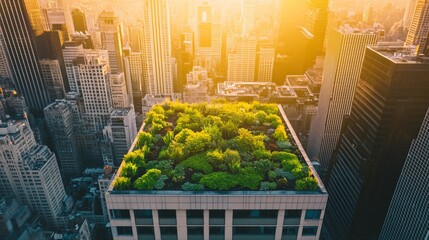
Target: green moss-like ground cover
(217,146)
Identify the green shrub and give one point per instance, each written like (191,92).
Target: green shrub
(272,175)
(280,156)
(261,154)
(166,166)
(129,170)
(290,165)
(268,186)
(193,187)
(306,184)
(145,139)
(267,108)
(249,178)
(245,142)
(148,180)
(274,120)
(300,172)
(280,133)
(122,183)
(280,173)
(137,157)
(229,130)
(215,158)
(168,138)
(196,143)
(220,181)
(183,135)
(178,174)
(160,183)
(261,116)
(196,177)
(263,166)
(175,152)
(198,162)
(232,159)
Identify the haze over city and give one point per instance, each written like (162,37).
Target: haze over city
(214,119)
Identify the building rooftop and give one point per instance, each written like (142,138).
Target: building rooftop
(120,112)
(400,54)
(216,147)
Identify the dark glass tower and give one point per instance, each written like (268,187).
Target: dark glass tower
(21,23)
(390,103)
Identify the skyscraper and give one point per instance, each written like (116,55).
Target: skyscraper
(4,64)
(73,53)
(60,120)
(389,105)
(265,59)
(418,33)
(343,63)
(242,61)
(248,17)
(118,88)
(21,23)
(409,208)
(156,48)
(52,78)
(30,172)
(111,38)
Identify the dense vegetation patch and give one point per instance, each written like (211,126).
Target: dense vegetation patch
(217,146)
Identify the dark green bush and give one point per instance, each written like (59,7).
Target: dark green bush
(220,181)
(249,178)
(198,162)
(196,177)
(166,166)
(282,183)
(178,174)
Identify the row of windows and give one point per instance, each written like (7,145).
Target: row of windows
(218,233)
(217,217)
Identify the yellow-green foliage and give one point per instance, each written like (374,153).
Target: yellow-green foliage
(148,180)
(122,183)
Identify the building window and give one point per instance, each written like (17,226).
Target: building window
(255,217)
(195,233)
(313,214)
(143,217)
(292,217)
(290,233)
(246,233)
(217,233)
(168,233)
(195,217)
(167,217)
(217,217)
(145,233)
(120,214)
(124,231)
(309,231)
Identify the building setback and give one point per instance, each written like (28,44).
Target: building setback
(390,103)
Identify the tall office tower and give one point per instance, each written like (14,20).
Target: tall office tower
(408,211)
(118,88)
(134,36)
(247,17)
(264,70)
(17,106)
(156,48)
(4,64)
(60,121)
(95,84)
(242,62)
(30,172)
(51,73)
(418,33)
(208,38)
(21,22)
(390,103)
(133,63)
(185,60)
(409,13)
(120,132)
(73,53)
(316,21)
(79,20)
(343,63)
(111,38)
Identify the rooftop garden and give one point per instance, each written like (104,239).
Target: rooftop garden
(218,146)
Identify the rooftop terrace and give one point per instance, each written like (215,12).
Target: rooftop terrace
(216,147)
